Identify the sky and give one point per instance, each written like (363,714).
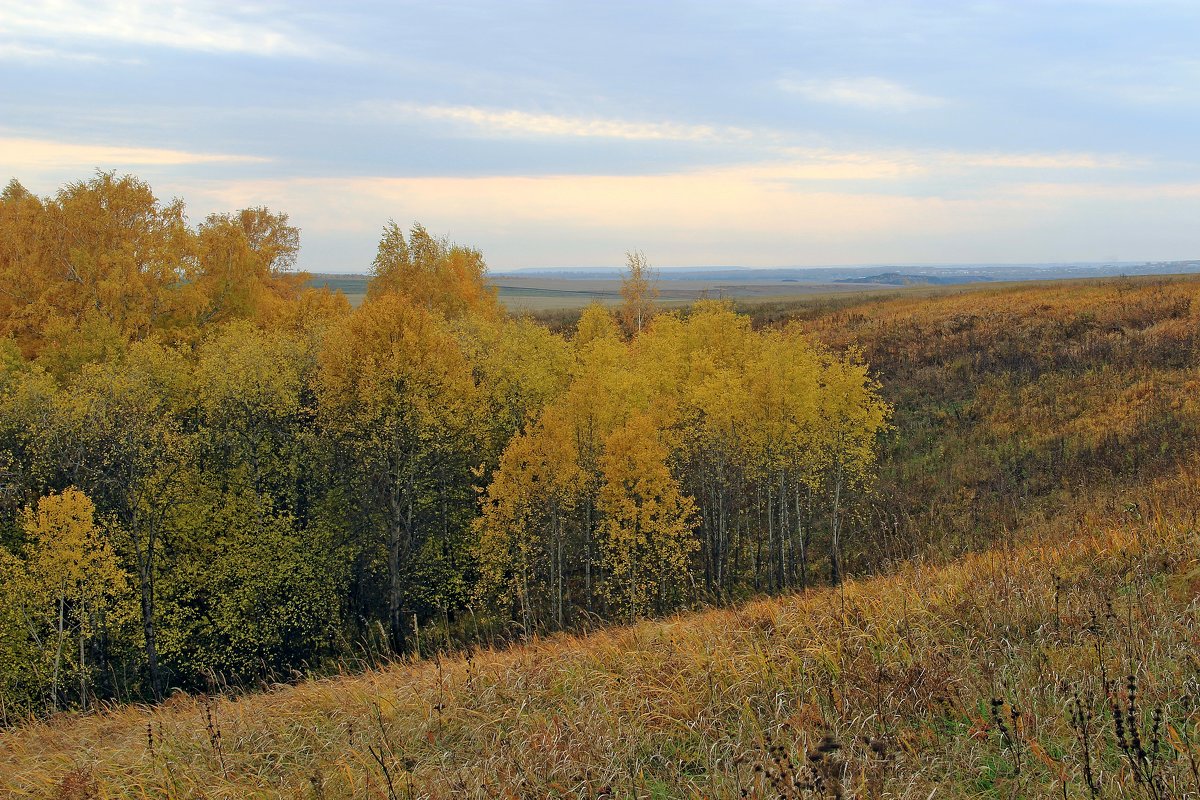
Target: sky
(564,133)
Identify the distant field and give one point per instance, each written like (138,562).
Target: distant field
(547,294)
(353,286)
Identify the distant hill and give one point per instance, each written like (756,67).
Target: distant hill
(903,279)
(541,289)
(953,273)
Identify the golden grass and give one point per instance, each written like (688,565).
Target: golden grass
(900,671)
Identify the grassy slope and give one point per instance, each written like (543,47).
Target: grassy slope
(1063,413)
(906,664)
(1013,402)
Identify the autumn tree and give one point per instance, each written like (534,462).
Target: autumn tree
(781,385)
(396,391)
(118,437)
(520,368)
(595,322)
(647,528)
(244,265)
(714,428)
(431,273)
(104,263)
(852,415)
(72,589)
(26,258)
(250,386)
(256,476)
(95,266)
(523,529)
(639,290)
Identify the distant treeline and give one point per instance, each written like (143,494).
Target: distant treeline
(210,473)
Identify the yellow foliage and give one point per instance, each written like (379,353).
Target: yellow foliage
(595,322)
(393,353)
(520,368)
(646,534)
(68,589)
(68,556)
(432,273)
(639,291)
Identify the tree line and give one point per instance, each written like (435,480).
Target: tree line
(211,471)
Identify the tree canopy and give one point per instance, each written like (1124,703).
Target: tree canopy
(210,473)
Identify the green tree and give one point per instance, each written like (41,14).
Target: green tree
(250,594)
(118,436)
(250,398)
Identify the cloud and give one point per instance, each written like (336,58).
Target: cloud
(873,94)
(823,164)
(202,26)
(1052,161)
(782,161)
(715,217)
(813,164)
(40,154)
(1137,192)
(511,122)
(808,206)
(818,190)
(33,54)
(743,203)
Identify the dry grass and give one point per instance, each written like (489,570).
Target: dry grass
(958,680)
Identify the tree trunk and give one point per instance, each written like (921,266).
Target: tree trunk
(785,538)
(62,602)
(526,613)
(82,662)
(802,542)
(149,631)
(758,553)
(587,553)
(835,571)
(399,534)
(558,572)
(722,540)
(396,630)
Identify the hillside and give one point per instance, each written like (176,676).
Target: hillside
(953,681)
(1013,403)
(906,279)
(1032,533)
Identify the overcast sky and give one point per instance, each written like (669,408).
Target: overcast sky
(564,133)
